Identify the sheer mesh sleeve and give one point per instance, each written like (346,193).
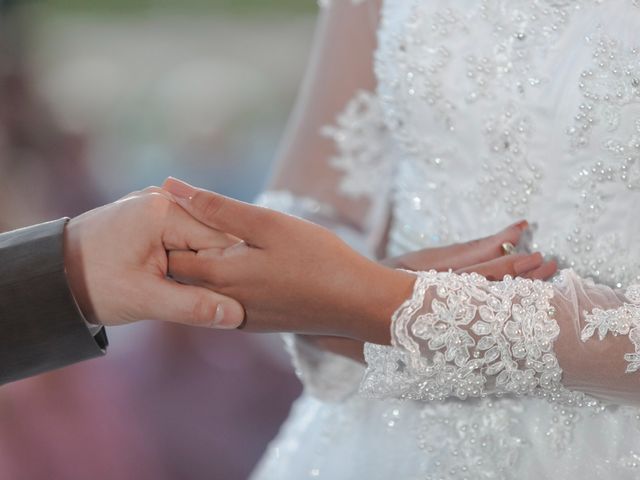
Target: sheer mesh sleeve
(570,341)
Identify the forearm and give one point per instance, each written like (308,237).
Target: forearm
(374,300)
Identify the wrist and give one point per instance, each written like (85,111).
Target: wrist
(384,290)
(75,270)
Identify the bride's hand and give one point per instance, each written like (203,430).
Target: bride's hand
(289,274)
(484,256)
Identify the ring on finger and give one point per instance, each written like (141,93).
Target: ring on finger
(508,248)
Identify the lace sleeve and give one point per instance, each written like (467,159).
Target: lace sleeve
(464,336)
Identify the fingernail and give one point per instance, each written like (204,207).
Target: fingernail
(522,225)
(227,317)
(179,189)
(528,263)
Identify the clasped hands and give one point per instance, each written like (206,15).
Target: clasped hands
(183,254)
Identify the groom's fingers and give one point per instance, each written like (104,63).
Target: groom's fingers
(172,302)
(214,210)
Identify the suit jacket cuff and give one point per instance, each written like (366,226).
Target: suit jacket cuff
(41,326)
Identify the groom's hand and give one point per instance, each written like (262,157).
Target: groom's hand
(116,260)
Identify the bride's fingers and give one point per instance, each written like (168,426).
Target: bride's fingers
(481,250)
(460,255)
(189,267)
(514,265)
(184,232)
(544,272)
(243,220)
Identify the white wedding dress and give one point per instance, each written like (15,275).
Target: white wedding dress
(488,111)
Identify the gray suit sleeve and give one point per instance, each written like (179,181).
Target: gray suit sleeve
(41,327)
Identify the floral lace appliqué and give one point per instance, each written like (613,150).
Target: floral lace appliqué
(359,136)
(464,336)
(624,320)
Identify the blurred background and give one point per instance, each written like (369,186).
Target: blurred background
(102,97)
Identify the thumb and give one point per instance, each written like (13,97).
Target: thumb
(171,301)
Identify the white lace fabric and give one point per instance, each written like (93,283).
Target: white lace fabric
(364,163)
(463,336)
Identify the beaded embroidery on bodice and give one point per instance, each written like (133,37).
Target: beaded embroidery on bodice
(516,108)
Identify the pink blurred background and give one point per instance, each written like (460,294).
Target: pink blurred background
(94,104)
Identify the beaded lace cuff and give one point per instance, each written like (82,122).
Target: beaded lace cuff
(624,320)
(463,336)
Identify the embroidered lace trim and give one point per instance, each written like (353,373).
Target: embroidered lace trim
(624,320)
(464,336)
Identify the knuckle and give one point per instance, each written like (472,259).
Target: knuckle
(209,205)
(155,206)
(135,193)
(155,200)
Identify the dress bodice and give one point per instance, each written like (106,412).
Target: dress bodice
(508,109)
